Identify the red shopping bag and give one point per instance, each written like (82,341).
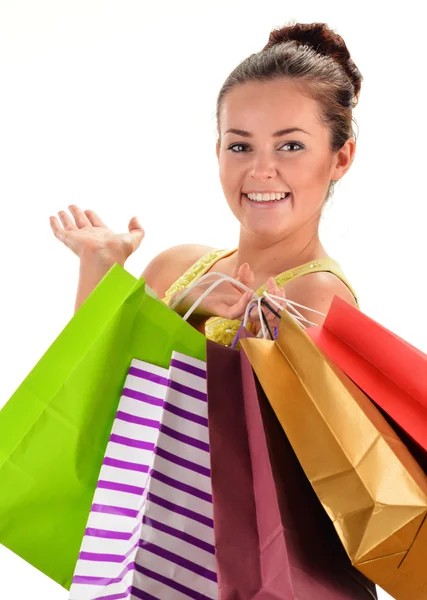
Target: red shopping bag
(388,369)
(273,539)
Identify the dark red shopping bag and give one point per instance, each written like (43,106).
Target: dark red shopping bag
(274,541)
(388,369)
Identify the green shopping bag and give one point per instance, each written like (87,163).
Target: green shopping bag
(54,430)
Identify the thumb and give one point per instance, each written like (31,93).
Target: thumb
(136,233)
(274,289)
(134,224)
(245,275)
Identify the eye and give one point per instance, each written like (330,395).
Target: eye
(300,146)
(289,147)
(238,148)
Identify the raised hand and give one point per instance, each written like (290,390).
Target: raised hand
(86,234)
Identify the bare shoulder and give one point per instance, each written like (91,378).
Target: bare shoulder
(169,265)
(316,291)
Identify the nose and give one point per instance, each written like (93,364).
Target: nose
(263,167)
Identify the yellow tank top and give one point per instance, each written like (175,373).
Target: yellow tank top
(223,331)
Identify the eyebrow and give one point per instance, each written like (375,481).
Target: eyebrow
(279,133)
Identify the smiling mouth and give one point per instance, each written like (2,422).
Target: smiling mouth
(266,202)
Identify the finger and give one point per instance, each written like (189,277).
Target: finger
(134,238)
(135,225)
(94,219)
(67,222)
(271,317)
(136,232)
(245,275)
(79,216)
(273,288)
(237,311)
(279,292)
(56,228)
(254,314)
(60,233)
(257,322)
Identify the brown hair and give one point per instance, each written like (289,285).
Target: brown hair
(317,57)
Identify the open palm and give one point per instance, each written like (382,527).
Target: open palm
(84,232)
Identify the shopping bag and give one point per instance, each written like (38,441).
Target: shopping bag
(55,428)
(370,486)
(416,450)
(388,369)
(273,538)
(150,531)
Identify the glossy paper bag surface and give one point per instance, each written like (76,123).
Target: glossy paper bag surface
(150,530)
(55,428)
(370,486)
(388,369)
(273,538)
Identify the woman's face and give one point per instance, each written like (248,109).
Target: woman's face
(273,142)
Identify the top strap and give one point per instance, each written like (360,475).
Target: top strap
(207,261)
(322,265)
(197,270)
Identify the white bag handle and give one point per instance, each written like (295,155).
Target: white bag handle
(291,305)
(215,284)
(256,300)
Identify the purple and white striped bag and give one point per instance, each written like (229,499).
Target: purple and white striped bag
(150,530)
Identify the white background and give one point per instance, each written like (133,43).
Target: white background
(110,104)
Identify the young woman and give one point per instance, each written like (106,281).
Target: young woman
(285,137)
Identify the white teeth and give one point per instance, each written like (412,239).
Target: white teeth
(266,197)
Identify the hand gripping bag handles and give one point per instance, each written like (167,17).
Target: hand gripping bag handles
(370,486)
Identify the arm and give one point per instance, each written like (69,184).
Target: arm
(93,267)
(160,273)
(99,248)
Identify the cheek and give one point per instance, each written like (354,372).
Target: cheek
(230,172)
(308,172)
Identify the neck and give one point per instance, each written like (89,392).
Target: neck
(269,257)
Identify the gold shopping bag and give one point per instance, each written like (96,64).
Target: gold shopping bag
(368,483)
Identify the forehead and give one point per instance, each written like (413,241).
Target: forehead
(269,105)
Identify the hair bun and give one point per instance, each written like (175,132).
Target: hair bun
(324,41)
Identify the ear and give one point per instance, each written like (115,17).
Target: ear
(343,159)
(217,149)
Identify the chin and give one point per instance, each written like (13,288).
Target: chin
(272,231)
